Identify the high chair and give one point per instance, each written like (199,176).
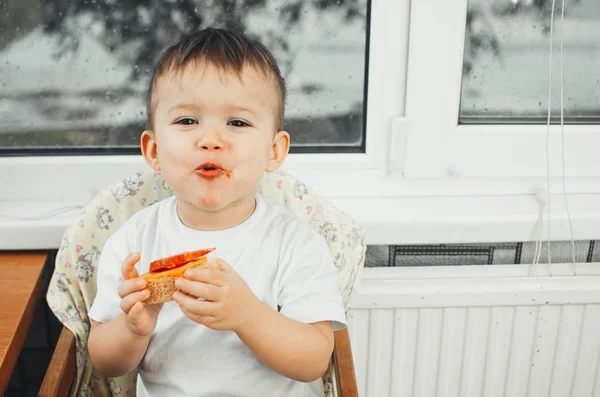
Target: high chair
(73,284)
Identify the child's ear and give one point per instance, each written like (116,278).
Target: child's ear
(279,150)
(149,149)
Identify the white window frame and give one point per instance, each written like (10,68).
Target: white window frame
(405,189)
(437,146)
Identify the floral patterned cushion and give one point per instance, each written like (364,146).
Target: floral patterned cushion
(73,285)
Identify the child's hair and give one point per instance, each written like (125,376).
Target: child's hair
(227,50)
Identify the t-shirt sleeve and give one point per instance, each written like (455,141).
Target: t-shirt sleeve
(309,290)
(107,304)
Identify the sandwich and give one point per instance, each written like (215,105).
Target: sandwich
(160,280)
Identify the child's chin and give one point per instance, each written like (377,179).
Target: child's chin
(210,203)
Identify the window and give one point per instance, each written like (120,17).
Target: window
(505,63)
(477,93)
(73,75)
(430,151)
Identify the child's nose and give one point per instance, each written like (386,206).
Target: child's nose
(210,147)
(211,141)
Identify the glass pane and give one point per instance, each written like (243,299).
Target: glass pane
(506,71)
(74,74)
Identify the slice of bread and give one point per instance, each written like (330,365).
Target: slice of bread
(162,284)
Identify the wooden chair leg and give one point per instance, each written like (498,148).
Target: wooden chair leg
(344,365)
(62,368)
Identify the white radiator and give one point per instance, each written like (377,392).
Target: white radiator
(477,331)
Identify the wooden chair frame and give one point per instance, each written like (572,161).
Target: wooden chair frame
(62,368)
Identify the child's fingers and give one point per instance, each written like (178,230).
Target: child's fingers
(190,304)
(205,275)
(205,320)
(133,273)
(128,269)
(136,314)
(129,301)
(224,266)
(130,286)
(198,289)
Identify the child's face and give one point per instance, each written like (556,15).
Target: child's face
(207,118)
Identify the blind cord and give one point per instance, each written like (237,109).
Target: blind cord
(562,135)
(548,129)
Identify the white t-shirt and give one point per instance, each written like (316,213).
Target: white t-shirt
(286,264)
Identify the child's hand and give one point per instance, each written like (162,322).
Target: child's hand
(220,300)
(141,319)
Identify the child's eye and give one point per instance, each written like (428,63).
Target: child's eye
(238,123)
(186,121)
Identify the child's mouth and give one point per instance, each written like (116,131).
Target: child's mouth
(212,170)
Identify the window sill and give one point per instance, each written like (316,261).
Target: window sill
(387,220)
(24,226)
